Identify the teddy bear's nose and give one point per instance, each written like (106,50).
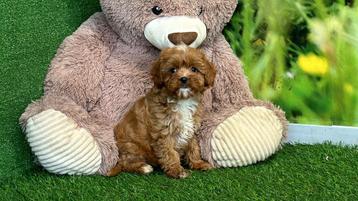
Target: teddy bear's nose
(186,38)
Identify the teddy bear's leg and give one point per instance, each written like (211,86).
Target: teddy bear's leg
(61,146)
(66,139)
(242,135)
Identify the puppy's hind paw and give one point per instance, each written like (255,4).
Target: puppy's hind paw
(146,169)
(201,165)
(114,171)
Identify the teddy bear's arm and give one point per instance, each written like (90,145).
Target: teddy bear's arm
(77,69)
(231,86)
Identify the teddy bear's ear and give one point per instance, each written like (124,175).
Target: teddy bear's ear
(210,74)
(156,75)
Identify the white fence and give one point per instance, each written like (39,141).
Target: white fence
(312,134)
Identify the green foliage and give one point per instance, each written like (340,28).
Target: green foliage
(270,37)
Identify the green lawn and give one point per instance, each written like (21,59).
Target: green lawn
(31,31)
(321,172)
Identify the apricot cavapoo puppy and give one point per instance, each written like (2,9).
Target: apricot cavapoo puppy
(160,128)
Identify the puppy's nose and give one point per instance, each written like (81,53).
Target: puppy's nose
(184,80)
(186,38)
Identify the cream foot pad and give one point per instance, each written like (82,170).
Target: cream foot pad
(61,146)
(249,136)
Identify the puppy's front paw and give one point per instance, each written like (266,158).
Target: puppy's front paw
(201,165)
(178,173)
(184,174)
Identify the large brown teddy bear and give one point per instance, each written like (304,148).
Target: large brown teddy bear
(100,70)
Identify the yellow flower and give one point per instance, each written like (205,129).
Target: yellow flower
(348,88)
(313,64)
(259,42)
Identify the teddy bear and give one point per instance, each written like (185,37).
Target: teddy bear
(103,68)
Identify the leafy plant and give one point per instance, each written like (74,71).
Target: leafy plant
(302,55)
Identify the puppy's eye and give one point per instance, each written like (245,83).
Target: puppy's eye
(194,69)
(173,70)
(157,10)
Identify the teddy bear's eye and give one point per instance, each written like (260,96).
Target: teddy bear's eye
(201,11)
(157,10)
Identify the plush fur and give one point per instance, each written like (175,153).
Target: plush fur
(160,128)
(102,68)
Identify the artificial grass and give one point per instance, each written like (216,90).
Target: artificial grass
(321,172)
(31,32)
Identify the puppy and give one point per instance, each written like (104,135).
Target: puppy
(160,128)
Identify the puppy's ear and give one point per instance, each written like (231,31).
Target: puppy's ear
(156,75)
(210,74)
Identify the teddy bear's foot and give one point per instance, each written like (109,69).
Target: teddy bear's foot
(249,136)
(61,146)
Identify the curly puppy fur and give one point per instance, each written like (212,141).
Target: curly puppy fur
(160,128)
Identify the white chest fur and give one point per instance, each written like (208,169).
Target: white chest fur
(186,109)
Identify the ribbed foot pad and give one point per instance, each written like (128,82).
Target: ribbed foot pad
(249,136)
(61,146)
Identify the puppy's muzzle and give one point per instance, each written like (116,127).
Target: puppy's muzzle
(167,32)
